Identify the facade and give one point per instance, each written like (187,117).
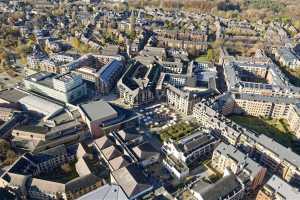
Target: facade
(179,154)
(192,147)
(286,57)
(180,100)
(267,152)
(270,106)
(176,167)
(137,85)
(103,75)
(26,174)
(66,88)
(228,157)
(102,117)
(38,55)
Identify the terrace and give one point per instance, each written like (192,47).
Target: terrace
(178,131)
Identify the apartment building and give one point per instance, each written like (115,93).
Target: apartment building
(286,57)
(180,100)
(228,157)
(269,106)
(276,157)
(137,85)
(277,189)
(229,187)
(191,147)
(36,57)
(27,174)
(104,72)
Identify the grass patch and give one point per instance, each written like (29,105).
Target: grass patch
(278,129)
(202,58)
(178,131)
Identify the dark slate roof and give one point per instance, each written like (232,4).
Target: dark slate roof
(220,189)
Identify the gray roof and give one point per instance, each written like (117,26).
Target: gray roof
(273,99)
(283,189)
(12,95)
(144,150)
(282,152)
(242,159)
(195,141)
(106,192)
(38,104)
(220,189)
(98,110)
(111,152)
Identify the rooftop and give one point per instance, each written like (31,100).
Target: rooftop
(98,110)
(282,188)
(132,180)
(220,189)
(106,192)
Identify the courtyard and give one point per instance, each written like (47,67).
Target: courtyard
(178,130)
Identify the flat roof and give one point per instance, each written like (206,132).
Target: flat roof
(12,95)
(98,110)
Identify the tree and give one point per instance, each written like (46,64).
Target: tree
(4,147)
(210,54)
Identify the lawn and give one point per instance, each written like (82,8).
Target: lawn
(278,129)
(178,131)
(202,58)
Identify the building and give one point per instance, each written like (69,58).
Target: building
(286,57)
(227,188)
(38,55)
(37,138)
(146,154)
(103,73)
(66,88)
(106,192)
(274,156)
(228,157)
(180,100)
(102,117)
(192,147)
(176,167)
(28,174)
(277,189)
(179,154)
(121,148)
(137,85)
(133,181)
